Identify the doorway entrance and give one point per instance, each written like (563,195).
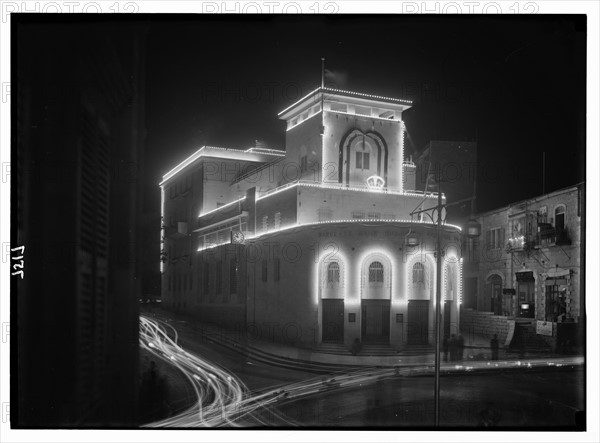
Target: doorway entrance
(375,321)
(333,320)
(495,291)
(447,318)
(526,294)
(418,322)
(526,307)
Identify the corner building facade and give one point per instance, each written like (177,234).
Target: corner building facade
(311,244)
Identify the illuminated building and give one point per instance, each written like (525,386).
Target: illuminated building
(311,244)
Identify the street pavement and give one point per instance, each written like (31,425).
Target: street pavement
(251,381)
(477,354)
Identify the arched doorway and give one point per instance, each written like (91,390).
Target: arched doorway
(419,310)
(494,292)
(376,300)
(332,301)
(450,294)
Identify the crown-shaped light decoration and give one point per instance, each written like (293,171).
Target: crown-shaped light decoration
(375,182)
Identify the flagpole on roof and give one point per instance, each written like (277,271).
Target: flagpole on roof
(322,129)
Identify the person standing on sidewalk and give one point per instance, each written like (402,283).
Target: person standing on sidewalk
(453,347)
(356,346)
(494,346)
(461,347)
(445,347)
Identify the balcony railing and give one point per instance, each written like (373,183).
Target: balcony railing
(549,235)
(522,243)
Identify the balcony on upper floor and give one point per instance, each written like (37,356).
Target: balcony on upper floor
(549,235)
(176,230)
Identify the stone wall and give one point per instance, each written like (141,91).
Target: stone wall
(483,324)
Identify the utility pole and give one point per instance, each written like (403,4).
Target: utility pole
(543,172)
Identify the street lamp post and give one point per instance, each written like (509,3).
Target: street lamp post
(438,298)
(473,230)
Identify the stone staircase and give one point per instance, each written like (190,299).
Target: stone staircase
(377,350)
(418,350)
(373,349)
(527,340)
(367,349)
(332,348)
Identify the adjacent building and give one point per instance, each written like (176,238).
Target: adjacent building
(77,152)
(320,242)
(528,264)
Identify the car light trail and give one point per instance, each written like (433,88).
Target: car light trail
(222,400)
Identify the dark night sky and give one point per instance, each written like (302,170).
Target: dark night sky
(514,83)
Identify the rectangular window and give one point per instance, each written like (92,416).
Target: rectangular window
(303,163)
(362,160)
(374,215)
(276,265)
(542,216)
(219,282)
(265,223)
(559,218)
(366,160)
(495,238)
(264,270)
(233,276)
(358,214)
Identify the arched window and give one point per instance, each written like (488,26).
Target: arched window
(559,218)
(418,273)
(333,273)
(376,272)
(363,155)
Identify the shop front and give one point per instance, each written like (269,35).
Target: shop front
(526,294)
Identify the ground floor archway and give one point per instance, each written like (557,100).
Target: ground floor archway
(375,321)
(418,322)
(333,320)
